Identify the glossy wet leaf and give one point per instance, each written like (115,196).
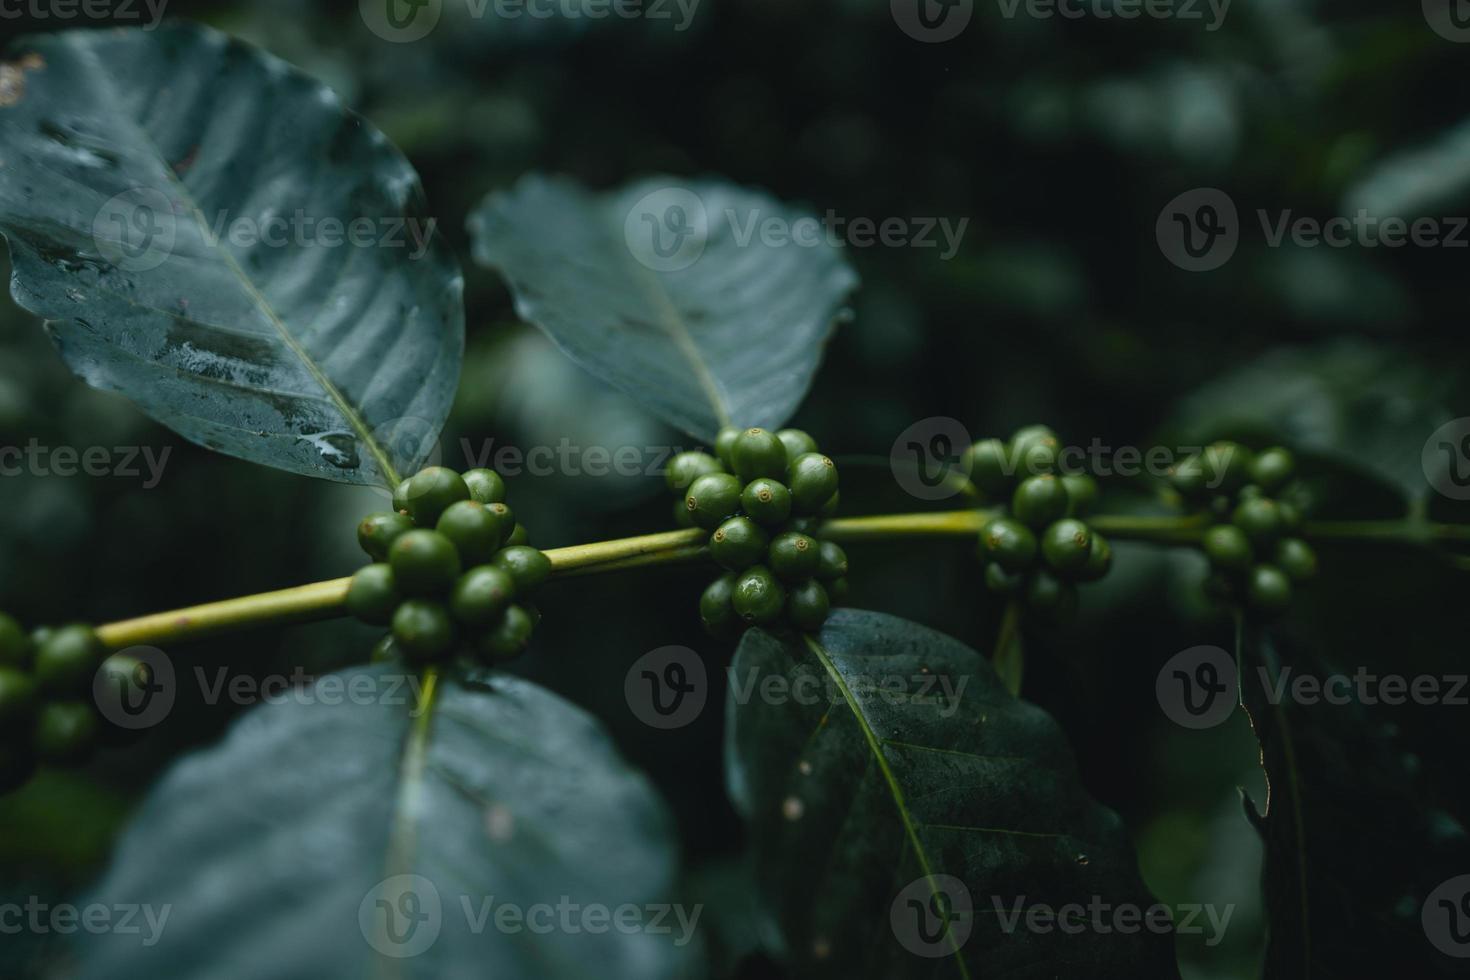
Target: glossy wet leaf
(904,769)
(683,293)
(347,837)
(214,235)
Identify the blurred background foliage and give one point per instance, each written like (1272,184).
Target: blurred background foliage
(1060,141)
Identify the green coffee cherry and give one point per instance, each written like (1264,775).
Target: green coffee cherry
(991,469)
(682,517)
(837,590)
(481,595)
(18,699)
(1272,468)
(712,498)
(486,486)
(794,556)
(725,444)
(1268,589)
(738,543)
(758,598)
(67,660)
(1009,544)
(1039,501)
(766,501)
(1066,546)
(1188,477)
(17,765)
(1050,598)
(1081,493)
(1259,519)
(1227,466)
(430,493)
(65,733)
(423,630)
(1002,582)
(400,497)
(685,468)
(425,563)
(1291,516)
(812,478)
(527,566)
(519,537)
(475,529)
(797,443)
(1228,548)
(829,509)
(803,525)
(807,605)
(716,610)
(757,453)
(1099,560)
(509,637)
(373,595)
(1035,450)
(377,532)
(1296,558)
(15,646)
(831,562)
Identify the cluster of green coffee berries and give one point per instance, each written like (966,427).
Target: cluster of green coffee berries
(1041,548)
(762,496)
(453,571)
(1254,554)
(48,713)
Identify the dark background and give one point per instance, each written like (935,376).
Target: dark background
(1060,141)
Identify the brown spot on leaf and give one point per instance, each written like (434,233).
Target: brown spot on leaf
(13,77)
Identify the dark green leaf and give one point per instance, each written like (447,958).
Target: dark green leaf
(1350,400)
(212,234)
(906,766)
(669,290)
(1338,777)
(274,849)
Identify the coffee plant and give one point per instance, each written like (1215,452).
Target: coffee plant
(934,832)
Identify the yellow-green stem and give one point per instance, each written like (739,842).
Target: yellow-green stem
(325,600)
